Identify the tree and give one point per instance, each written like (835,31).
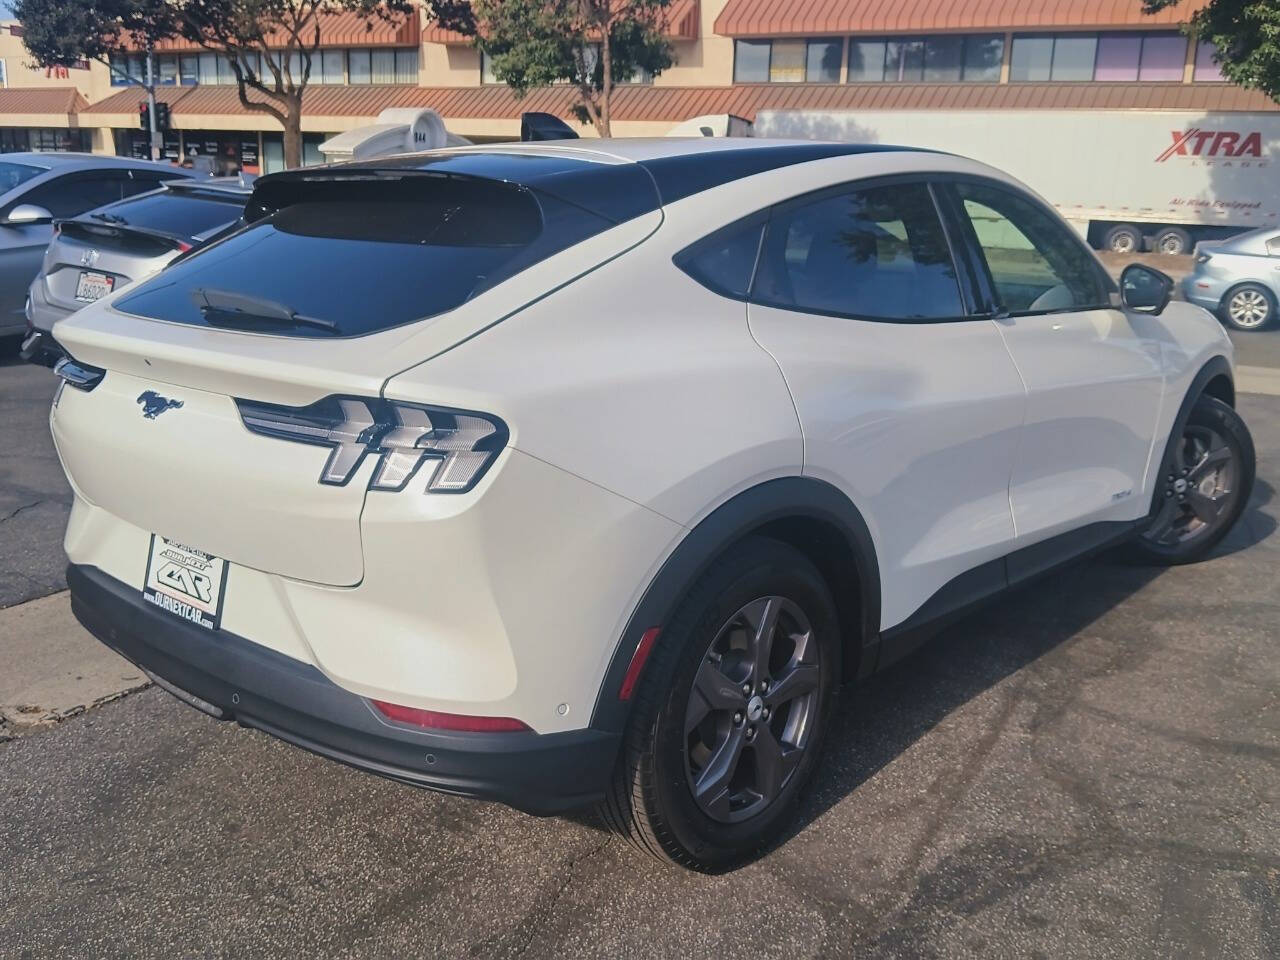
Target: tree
(269,44)
(591,44)
(1245,35)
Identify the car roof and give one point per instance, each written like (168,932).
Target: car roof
(69,161)
(618,179)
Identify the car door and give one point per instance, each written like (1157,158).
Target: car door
(1093,373)
(22,246)
(906,402)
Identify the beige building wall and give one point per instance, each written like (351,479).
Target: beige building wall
(20,69)
(705,62)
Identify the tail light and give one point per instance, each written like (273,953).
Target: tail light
(458,446)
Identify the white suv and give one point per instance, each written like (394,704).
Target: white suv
(566,474)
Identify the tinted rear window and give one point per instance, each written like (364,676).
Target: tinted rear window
(366,255)
(174,214)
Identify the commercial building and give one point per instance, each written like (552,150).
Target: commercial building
(732,56)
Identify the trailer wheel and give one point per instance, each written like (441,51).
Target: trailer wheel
(1123,238)
(1173,241)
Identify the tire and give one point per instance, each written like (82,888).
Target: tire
(1248,307)
(665,797)
(1123,238)
(1213,462)
(1173,241)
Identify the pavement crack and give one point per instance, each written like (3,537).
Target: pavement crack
(548,909)
(26,506)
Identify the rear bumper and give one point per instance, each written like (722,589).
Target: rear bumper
(1203,291)
(240,680)
(41,314)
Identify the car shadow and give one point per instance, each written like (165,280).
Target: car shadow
(877,721)
(9,347)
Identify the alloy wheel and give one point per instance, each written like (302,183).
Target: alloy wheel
(1199,487)
(1248,308)
(752,710)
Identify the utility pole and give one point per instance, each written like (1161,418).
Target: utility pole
(151,105)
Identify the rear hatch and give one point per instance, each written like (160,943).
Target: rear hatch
(99,252)
(340,282)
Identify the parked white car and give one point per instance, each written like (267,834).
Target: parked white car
(565,474)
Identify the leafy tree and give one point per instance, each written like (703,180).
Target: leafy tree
(269,44)
(591,44)
(1245,35)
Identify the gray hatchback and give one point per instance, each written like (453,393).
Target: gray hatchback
(1238,279)
(98,252)
(36,189)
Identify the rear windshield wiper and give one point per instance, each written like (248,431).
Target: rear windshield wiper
(229,309)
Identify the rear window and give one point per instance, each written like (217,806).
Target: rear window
(352,257)
(172,213)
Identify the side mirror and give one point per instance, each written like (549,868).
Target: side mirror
(1144,289)
(25,214)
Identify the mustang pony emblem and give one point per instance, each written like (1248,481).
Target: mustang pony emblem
(153,404)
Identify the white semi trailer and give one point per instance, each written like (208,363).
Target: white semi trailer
(1125,179)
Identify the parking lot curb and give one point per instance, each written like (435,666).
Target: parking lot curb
(1265,380)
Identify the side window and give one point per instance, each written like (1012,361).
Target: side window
(877,253)
(1036,265)
(72,196)
(724,261)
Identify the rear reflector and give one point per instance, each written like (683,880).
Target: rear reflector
(636,667)
(434,720)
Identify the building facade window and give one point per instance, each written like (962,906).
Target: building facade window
(330,66)
(787,61)
(947,58)
(1149,56)
(1206,70)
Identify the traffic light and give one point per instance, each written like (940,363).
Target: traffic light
(144,116)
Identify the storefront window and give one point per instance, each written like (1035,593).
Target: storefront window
(1149,56)
(384,66)
(188,70)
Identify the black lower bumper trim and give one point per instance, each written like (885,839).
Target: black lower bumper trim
(231,677)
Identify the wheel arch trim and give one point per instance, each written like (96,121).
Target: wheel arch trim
(782,499)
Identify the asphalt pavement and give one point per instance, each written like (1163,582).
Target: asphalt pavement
(34,496)
(1088,768)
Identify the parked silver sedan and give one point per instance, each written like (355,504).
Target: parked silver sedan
(35,189)
(1238,279)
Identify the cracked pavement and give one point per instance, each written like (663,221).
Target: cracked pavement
(1090,767)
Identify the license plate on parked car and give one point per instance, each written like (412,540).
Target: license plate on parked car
(185,582)
(94,286)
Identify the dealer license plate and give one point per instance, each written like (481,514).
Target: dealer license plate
(185,582)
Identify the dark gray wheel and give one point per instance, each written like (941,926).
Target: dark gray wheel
(1249,306)
(1123,238)
(1205,484)
(730,711)
(1172,240)
(752,709)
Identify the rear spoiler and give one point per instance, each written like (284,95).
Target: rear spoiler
(83,229)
